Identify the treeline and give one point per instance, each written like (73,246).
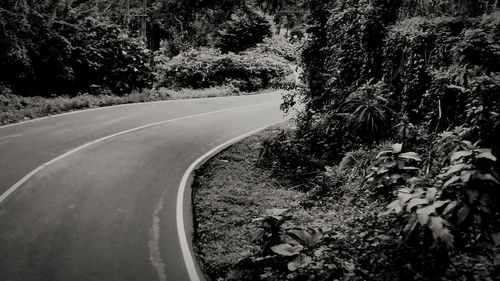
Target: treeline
(52,48)
(63,47)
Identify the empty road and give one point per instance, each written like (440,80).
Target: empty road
(92,195)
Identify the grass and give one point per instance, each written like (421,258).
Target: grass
(231,190)
(227,194)
(15,108)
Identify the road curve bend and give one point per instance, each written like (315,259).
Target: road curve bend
(94,195)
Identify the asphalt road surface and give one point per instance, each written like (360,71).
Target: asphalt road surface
(92,195)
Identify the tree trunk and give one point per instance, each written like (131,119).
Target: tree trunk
(144,20)
(127,14)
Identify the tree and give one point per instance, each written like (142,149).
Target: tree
(244,31)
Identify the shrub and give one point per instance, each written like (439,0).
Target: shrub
(393,168)
(279,46)
(369,111)
(461,202)
(203,68)
(326,136)
(286,155)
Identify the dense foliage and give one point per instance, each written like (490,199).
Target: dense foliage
(242,32)
(364,69)
(58,53)
(423,75)
(247,71)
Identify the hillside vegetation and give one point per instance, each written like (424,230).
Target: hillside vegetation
(395,148)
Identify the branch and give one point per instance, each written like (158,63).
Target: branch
(439,116)
(65,23)
(108,7)
(180,22)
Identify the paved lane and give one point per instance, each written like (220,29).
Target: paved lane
(107,212)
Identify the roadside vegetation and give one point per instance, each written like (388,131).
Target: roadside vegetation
(391,163)
(14,108)
(62,55)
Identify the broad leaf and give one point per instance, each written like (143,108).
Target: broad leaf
(424,213)
(410,156)
(395,178)
(306,238)
(449,207)
(440,203)
(459,154)
(275,212)
(385,167)
(298,262)
(405,190)
(418,193)
(416,202)
(465,175)
(486,154)
(410,168)
(414,180)
(456,168)
(397,147)
(440,231)
(410,226)
(452,180)
(287,250)
(468,144)
(496,238)
(404,197)
(463,213)
(395,207)
(431,194)
(487,177)
(380,154)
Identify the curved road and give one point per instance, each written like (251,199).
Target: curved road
(91,195)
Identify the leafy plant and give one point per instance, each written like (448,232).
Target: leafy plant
(421,206)
(369,111)
(393,169)
(462,199)
(299,250)
(286,154)
(472,181)
(306,238)
(269,233)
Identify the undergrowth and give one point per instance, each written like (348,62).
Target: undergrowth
(252,225)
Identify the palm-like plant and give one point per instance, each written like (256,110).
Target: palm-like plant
(369,111)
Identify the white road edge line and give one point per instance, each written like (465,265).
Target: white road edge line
(120,105)
(13,188)
(186,252)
